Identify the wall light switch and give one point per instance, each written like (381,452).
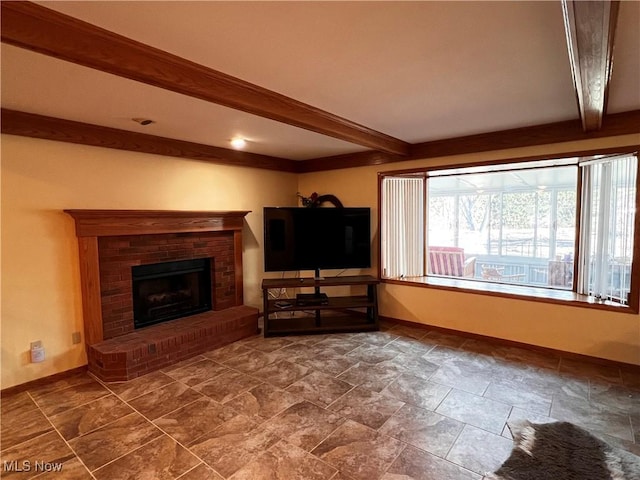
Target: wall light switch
(76,337)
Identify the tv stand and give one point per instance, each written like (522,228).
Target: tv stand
(320,312)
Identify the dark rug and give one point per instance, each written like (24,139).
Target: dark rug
(563,451)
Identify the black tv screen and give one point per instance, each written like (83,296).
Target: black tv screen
(300,238)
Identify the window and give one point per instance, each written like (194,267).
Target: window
(553,225)
(609,191)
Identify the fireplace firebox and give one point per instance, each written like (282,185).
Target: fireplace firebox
(169,290)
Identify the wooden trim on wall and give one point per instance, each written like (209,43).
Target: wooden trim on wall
(517,159)
(33,27)
(349,160)
(40,382)
(50,128)
(100,223)
(559,132)
(90,286)
(57,129)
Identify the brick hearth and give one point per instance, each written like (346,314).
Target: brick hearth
(147,349)
(112,241)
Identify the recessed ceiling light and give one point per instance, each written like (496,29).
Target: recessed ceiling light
(143,121)
(238,142)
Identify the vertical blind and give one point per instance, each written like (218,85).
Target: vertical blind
(402,227)
(608,210)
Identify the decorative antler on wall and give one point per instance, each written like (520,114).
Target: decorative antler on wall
(316,200)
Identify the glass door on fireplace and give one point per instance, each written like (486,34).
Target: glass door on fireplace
(170,290)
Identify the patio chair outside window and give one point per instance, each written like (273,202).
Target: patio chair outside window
(450,262)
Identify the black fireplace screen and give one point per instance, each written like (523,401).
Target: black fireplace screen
(169,290)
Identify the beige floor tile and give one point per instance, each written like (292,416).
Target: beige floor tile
(14,403)
(359,451)
(200,472)
(478,411)
(227,386)
(190,422)
(197,372)
(70,397)
(285,461)
(417,391)
(263,402)
(366,407)
(320,388)
(165,399)
(423,429)
(73,380)
(479,451)
(282,373)
(414,464)
(90,416)
(304,424)
(23,426)
(139,386)
(160,459)
(233,444)
(375,377)
(303,407)
(118,438)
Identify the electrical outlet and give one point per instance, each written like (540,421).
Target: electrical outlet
(76,337)
(37,352)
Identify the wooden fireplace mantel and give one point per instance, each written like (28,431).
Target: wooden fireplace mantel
(98,223)
(92,224)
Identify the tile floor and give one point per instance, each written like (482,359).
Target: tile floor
(400,403)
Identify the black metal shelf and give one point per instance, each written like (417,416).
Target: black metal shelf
(338,314)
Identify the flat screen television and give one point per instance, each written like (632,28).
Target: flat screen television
(301,238)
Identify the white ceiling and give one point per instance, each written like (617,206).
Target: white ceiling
(418,71)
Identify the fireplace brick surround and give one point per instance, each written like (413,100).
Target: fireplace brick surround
(112,241)
(118,254)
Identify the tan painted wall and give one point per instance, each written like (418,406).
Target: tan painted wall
(40,285)
(41,298)
(607,335)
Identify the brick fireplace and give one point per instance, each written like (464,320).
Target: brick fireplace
(113,242)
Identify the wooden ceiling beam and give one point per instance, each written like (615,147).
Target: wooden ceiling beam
(13,122)
(590,29)
(33,27)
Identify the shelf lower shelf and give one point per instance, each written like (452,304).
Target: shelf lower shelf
(330,324)
(352,313)
(361,301)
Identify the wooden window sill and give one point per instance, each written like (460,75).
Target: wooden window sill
(521,292)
